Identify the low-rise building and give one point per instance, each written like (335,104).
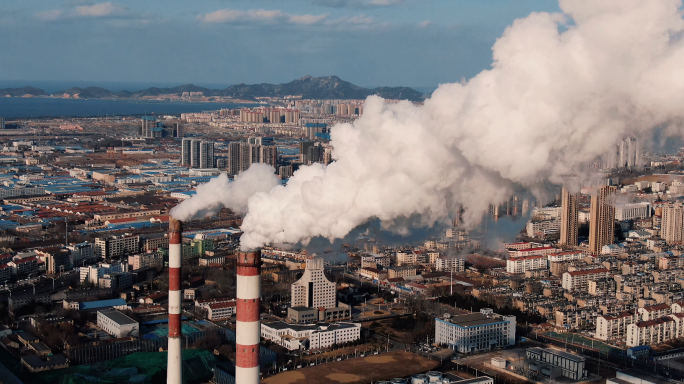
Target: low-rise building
(23,266)
(523,264)
(578,280)
(208,260)
(404,271)
(375,261)
(44,363)
(116,246)
(553,363)
(220,311)
(5,272)
(450,264)
(373,273)
(145,260)
(409,258)
(614,327)
(117,324)
(651,332)
(653,312)
(476,331)
(315,336)
(304,315)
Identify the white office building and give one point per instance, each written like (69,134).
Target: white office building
(314,336)
(476,331)
(93,273)
(633,211)
(117,324)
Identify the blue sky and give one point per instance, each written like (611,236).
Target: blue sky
(417,43)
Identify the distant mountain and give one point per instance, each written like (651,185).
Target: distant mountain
(19,92)
(327,87)
(87,93)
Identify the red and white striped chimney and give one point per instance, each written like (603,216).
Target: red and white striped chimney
(174,369)
(248,327)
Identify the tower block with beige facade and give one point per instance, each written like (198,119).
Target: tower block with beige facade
(672,225)
(569,218)
(314,290)
(602,220)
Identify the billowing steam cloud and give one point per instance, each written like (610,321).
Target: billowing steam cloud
(220,192)
(563,90)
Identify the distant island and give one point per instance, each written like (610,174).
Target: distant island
(327,87)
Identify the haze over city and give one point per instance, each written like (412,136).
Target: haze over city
(342,191)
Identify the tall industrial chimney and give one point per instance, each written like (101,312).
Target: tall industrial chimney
(248,326)
(175,363)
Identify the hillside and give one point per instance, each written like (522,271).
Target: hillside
(327,87)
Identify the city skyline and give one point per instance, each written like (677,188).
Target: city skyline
(367,42)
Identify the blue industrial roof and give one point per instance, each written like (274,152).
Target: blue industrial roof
(88,305)
(162,321)
(8,224)
(640,348)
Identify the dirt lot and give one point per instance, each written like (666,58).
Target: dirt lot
(385,326)
(361,370)
(360,349)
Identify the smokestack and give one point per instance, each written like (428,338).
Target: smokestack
(174,369)
(248,326)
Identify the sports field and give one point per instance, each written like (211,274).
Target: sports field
(586,342)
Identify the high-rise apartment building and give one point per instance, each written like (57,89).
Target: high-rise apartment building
(268,154)
(186,152)
(116,246)
(233,158)
(313,290)
(672,223)
(569,218)
(625,155)
(602,217)
(197,153)
(206,155)
(245,156)
(285,171)
(304,150)
(628,153)
(147,125)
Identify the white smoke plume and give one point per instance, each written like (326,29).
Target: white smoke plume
(563,89)
(221,192)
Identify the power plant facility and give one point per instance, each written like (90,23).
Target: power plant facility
(175,361)
(248,326)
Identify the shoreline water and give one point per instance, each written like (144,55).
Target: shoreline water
(48,107)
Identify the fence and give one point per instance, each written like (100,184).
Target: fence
(113,350)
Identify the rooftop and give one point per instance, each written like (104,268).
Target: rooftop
(560,353)
(118,317)
(473,320)
(86,305)
(588,272)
